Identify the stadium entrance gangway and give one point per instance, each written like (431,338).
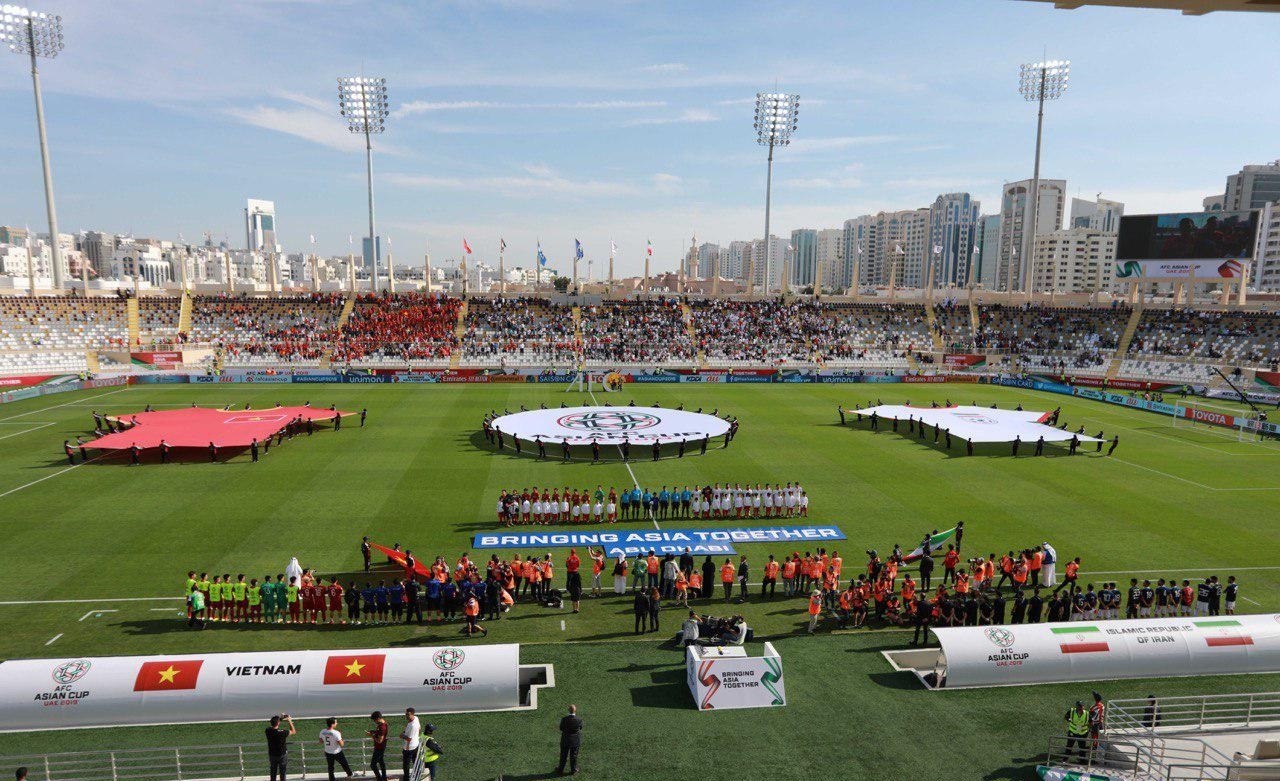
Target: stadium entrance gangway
(228,762)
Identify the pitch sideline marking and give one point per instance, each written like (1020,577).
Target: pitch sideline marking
(68,404)
(26,430)
(54,638)
(55,474)
(627,464)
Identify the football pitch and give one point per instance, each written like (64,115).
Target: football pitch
(96,556)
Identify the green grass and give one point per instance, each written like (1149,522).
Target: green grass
(1173,501)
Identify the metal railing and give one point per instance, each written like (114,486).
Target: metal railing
(191,763)
(1203,712)
(1146,758)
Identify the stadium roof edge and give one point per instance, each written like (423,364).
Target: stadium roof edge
(1187,7)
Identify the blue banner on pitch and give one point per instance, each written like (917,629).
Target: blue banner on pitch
(646,539)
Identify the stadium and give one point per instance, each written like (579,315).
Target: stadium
(929,502)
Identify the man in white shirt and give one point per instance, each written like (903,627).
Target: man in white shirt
(1048,564)
(412,740)
(333,743)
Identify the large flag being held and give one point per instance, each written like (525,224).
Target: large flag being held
(935,541)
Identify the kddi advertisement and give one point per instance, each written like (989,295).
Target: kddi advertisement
(720,679)
(38,694)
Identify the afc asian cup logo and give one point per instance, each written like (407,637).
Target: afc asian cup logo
(72,671)
(448,659)
(999,635)
(609,421)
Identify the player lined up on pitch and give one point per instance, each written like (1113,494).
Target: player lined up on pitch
(540,506)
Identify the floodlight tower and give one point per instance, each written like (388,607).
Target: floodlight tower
(776,116)
(1038,82)
(363,101)
(37,34)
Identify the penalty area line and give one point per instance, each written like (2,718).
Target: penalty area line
(54,639)
(68,404)
(64,470)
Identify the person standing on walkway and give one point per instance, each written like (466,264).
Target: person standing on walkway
(431,751)
(378,762)
(570,741)
(331,740)
(1077,730)
(411,738)
(278,745)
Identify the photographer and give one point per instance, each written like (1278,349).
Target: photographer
(278,744)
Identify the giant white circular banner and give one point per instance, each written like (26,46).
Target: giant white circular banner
(611,425)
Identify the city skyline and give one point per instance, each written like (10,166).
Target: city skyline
(641,134)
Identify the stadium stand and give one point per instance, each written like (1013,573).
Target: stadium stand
(518,331)
(265,331)
(53,335)
(634,332)
(409,328)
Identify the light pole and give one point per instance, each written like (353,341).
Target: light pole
(37,34)
(363,101)
(776,116)
(1038,82)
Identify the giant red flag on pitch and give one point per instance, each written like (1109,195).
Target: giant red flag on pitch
(198,426)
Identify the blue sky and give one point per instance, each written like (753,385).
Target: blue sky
(625,120)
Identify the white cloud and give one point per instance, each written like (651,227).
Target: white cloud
(805,145)
(666,68)
(824,183)
(688,116)
(305,123)
(538,181)
(426,106)
(667,184)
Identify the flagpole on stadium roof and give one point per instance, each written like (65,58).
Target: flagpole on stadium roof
(38,34)
(775,121)
(363,101)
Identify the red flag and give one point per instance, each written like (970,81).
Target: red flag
(466,246)
(354,669)
(167,675)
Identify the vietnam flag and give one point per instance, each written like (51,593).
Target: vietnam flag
(358,668)
(167,675)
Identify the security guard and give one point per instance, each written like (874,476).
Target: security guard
(1077,729)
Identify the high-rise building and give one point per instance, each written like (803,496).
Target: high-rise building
(1213,203)
(858,240)
(99,248)
(708,253)
(953,223)
(1265,275)
(1075,260)
(988,252)
(759,264)
(1253,187)
(830,256)
(367,257)
(1099,215)
(733,264)
(888,247)
(260,226)
(1016,215)
(803,256)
